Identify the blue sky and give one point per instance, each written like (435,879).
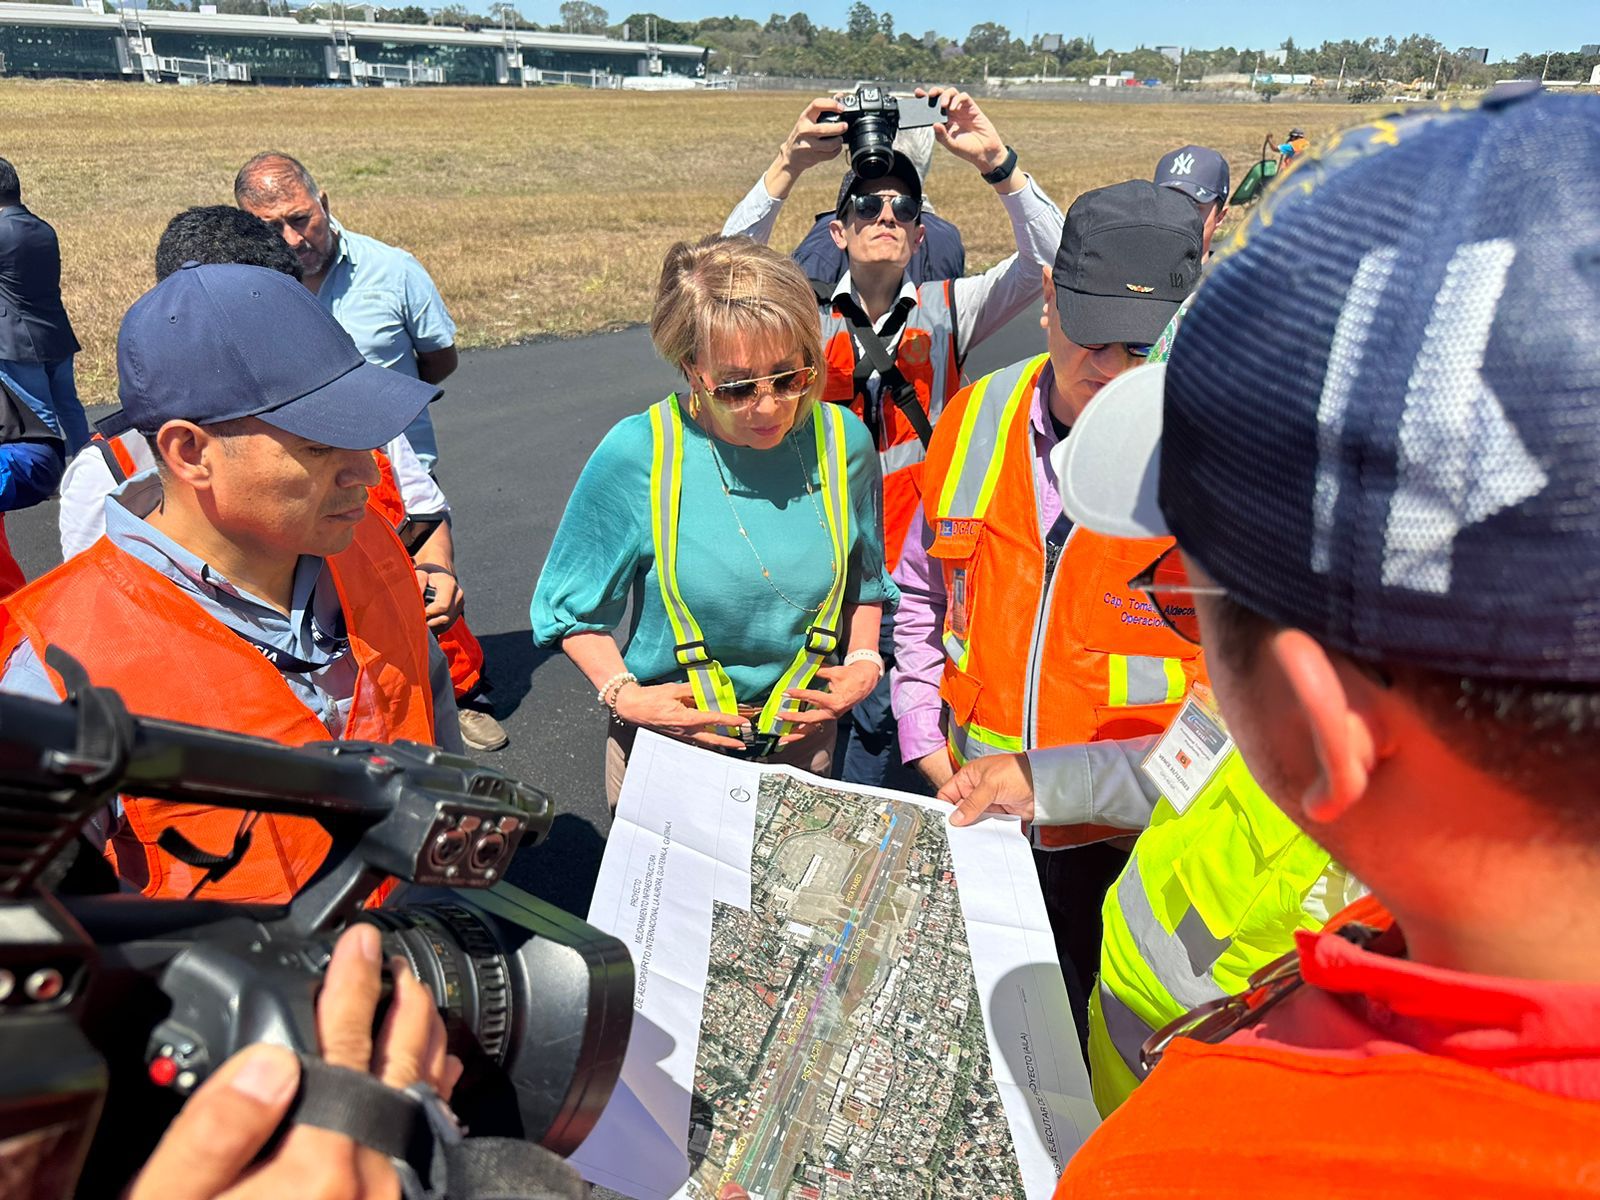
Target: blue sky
(1507,27)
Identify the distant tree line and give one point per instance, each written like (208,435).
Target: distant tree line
(869,47)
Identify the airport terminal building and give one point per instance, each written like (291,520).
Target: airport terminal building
(184,47)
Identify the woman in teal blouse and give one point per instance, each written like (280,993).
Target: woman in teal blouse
(741,518)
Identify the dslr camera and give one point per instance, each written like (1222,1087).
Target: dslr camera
(114,1007)
(872,117)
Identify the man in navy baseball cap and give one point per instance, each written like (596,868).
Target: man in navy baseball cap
(245,583)
(192,349)
(1393,559)
(1201,174)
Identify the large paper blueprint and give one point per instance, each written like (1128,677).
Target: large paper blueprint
(838,995)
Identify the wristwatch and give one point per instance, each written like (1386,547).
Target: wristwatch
(1003,172)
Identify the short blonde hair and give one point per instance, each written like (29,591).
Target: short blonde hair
(723,287)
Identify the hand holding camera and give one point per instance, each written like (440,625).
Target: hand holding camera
(814,139)
(209,1150)
(128,1005)
(966,130)
(866,121)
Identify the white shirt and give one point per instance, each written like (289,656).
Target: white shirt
(984,303)
(88,482)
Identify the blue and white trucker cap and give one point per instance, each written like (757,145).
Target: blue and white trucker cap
(1380,422)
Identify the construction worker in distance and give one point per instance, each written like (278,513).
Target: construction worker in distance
(1293,148)
(1016,630)
(1391,557)
(894,349)
(247,585)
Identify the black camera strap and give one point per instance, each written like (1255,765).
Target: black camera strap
(215,866)
(417,1132)
(876,358)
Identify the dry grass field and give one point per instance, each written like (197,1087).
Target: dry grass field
(539,212)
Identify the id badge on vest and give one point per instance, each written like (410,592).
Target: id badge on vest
(1190,751)
(958,602)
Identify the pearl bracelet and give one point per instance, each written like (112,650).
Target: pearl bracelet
(607,695)
(871,656)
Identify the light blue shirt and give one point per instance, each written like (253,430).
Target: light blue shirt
(313,631)
(388,304)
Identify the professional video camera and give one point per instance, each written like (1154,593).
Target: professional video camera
(127,1004)
(872,117)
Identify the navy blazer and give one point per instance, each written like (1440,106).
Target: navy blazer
(33,321)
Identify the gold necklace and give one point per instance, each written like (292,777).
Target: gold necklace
(805,477)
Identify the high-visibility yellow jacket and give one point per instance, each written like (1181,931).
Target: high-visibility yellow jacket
(1210,895)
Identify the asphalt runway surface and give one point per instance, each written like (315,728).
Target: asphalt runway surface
(515,427)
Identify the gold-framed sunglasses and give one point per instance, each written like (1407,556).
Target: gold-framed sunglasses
(785,385)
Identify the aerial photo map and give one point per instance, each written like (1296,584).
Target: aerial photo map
(831,1063)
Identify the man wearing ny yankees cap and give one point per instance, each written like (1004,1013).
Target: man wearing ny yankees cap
(244,584)
(1393,560)
(1201,174)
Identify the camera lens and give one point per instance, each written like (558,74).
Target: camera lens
(872,146)
(538,1005)
(460,961)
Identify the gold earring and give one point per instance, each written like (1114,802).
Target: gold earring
(694,405)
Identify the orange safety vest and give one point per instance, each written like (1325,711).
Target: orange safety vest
(1094,661)
(926,356)
(461,649)
(135,631)
(1413,1125)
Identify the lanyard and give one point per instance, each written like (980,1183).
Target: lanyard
(290,663)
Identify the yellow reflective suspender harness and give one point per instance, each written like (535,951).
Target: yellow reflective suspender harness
(713,690)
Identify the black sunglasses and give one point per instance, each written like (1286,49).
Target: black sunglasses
(906,209)
(1165,585)
(1136,349)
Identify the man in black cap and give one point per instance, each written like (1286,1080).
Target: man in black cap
(247,585)
(894,349)
(1294,147)
(1015,630)
(1201,174)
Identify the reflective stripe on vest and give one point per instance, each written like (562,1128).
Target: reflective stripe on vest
(975,466)
(713,690)
(1138,680)
(972,740)
(1231,851)
(980,442)
(935,314)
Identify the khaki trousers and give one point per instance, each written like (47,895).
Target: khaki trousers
(813,752)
